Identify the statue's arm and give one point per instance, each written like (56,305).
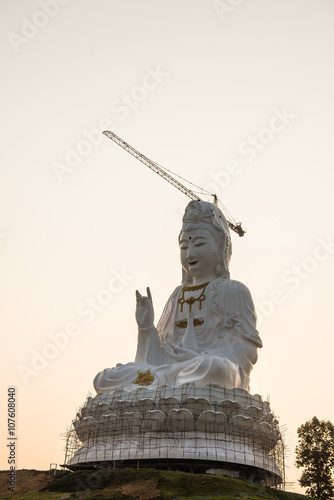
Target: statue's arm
(246,354)
(149,347)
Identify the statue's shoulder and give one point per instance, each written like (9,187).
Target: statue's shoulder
(171,298)
(233,292)
(175,292)
(232,286)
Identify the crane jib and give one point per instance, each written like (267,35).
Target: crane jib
(165,175)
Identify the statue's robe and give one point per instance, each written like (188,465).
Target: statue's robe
(221,347)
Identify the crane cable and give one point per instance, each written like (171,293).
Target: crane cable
(202,191)
(224,209)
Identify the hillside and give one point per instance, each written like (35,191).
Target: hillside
(133,484)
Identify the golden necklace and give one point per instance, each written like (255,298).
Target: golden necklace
(191,300)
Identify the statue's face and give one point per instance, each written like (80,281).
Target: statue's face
(199,253)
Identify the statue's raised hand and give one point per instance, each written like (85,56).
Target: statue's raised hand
(144,310)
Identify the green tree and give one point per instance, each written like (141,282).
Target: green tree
(315,453)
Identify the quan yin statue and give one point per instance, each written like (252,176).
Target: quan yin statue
(184,402)
(207,332)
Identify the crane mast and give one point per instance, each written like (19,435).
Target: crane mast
(165,175)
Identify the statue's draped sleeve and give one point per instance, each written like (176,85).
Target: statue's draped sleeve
(239,311)
(165,325)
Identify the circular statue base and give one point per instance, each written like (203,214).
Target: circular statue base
(198,429)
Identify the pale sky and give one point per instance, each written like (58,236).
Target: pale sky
(235,96)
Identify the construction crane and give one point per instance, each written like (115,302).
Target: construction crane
(165,175)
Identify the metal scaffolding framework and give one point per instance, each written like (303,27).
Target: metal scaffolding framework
(185,428)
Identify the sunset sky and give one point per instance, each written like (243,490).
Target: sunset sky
(235,96)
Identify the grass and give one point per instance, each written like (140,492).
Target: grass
(150,484)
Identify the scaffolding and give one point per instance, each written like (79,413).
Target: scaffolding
(72,441)
(186,428)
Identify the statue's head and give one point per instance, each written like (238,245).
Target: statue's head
(205,232)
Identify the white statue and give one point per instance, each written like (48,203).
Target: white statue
(207,332)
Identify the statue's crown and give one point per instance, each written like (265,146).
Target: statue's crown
(195,213)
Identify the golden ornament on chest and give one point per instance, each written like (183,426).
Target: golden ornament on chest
(191,300)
